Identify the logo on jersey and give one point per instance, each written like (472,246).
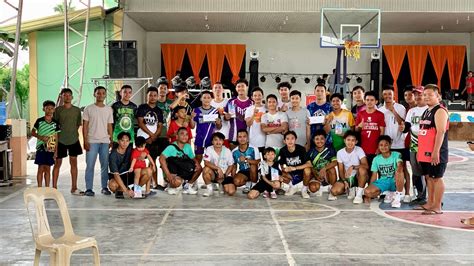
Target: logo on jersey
(150,118)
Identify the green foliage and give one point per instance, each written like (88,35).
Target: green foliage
(59,8)
(22,88)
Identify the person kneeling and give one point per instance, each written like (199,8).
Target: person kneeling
(352,164)
(388,166)
(270,177)
(218,164)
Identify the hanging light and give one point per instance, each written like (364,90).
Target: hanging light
(348,79)
(293,80)
(262,79)
(359,80)
(277,79)
(306,80)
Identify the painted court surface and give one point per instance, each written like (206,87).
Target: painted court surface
(185,229)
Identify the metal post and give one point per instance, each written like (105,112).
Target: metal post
(66,46)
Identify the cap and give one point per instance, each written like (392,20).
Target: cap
(180,87)
(418,89)
(162,80)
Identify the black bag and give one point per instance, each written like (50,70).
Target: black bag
(183,167)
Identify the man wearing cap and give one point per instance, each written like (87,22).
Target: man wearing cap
(412,125)
(181,99)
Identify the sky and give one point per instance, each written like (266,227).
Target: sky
(33,9)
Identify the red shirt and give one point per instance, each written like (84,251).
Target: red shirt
(470,85)
(173,128)
(139,164)
(370,130)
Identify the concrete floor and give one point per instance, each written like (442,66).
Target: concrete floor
(185,229)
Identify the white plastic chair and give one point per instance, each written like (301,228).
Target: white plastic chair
(227,94)
(60,249)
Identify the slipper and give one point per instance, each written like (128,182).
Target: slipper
(420,208)
(78,192)
(468,221)
(431,212)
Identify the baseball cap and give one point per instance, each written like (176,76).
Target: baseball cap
(418,89)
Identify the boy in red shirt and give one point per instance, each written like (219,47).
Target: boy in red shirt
(180,121)
(139,154)
(470,90)
(371,124)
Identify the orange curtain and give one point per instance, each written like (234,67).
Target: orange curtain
(235,55)
(395,55)
(173,55)
(196,54)
(417,60)
(455,57)
(215,60)
(438,58)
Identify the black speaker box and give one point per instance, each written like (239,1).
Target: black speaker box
(123,61)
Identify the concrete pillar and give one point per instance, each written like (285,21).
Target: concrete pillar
(18,143)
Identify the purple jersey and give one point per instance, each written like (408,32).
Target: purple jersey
(204,130)
(238,122)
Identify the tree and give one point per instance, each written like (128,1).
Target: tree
(59,8)
(22,89)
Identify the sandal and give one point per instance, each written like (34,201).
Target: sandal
(420,208)
(78,192)
(468,221)
(431,212)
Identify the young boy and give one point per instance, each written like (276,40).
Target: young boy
(218,164)
(284,90)
(253,118)
(235,110)
(270,177)
(274,124)
(338,122)
(46,131)
(180,121)
(139,154)
(388,168)
(219,102)
(297,120)
(246,157)
(352,164)
(358,98)
(371,124)
(324,162)
(295,164)
(320,107)
(204,127)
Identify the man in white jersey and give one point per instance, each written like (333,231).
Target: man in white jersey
(219,102)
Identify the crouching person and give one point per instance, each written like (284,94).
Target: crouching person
(218,165)
(388,167)
(270,177)
(119,164)
(179,164)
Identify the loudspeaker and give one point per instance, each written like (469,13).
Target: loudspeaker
(123,60)
(253,69)
(375,74)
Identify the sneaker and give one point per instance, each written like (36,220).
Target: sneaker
(89,193)
(352,192)
(215,186)
(185,190)
(191,190)
(396,201)
(280,192)
(284,187)
(273,195)
(172,191)
(151,193)
(305,194)
(207,192)
(358,198)
(265,194)
(106,191)
(407,199)
(292,191)
(319,193)
(389,197)
(246,190)
(331,197)
(417,201)
(158,187)
(119,195)
(221,189)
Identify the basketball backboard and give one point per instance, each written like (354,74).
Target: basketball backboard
(339,25)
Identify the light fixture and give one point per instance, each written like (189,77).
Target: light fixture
(293,80)
(306,80)
(359,80)
(205,17)
(348,79)
(442,27)
(286,18)
(284,22)
(262,79)
(277,79)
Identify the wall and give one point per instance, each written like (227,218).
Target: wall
(292,52)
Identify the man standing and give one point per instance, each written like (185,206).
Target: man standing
(97,132)
(358,98)
(69,119)
(297,120)
(433,148)
(470,90)
(319,108)
(235,110)
(219,102)
(150,123)
(164,104)
(124,114)
(284,90)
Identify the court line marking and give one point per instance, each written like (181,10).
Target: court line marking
(281,253)
(289,257)
(463,158)
(330,209)
(375,207)
(198,210)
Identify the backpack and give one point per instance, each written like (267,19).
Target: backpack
(183,166)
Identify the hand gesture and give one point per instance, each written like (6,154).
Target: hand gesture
(284,108)
(130,170)
(227,116)
(401,126)
(220,173)
(193,115)
(242,158)
(361,124)
(349,171)
(329,118)
(322,174)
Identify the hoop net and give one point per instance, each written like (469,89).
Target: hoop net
(352,49)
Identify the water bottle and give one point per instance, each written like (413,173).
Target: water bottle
(338,128)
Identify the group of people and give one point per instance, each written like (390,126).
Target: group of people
(265,144)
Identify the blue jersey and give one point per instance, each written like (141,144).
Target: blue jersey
(318,110)
(320,159)
(204,130)
(250,153)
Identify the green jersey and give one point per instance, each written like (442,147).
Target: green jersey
(124,119)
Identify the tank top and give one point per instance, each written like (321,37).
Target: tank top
(427,135)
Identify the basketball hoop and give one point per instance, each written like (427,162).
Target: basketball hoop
(352,49)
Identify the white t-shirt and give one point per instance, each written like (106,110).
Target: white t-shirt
(392,128)
(350,159)
(222,160)
(225,124)
(98,118)
(275,120)
(281,104)
(414,118)
(297,123)
(256,136)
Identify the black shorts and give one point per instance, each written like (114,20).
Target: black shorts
(433,171)
(370,159)
(262,186)
(127,178)
(72,150)
(157,147)
(245,173)
(404,152)
(44,158)
(227,179)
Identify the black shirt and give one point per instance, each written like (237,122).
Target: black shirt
(119,163)
(295,158)
(151,116)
